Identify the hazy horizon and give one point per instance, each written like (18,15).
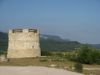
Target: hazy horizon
(77,20)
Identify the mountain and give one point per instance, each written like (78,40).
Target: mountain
(3,41)
(47,43)
(56,43)
(96,46)
(52,37)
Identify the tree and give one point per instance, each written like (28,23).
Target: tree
(88,55)
(78,67)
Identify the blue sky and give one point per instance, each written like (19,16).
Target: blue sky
(72,19)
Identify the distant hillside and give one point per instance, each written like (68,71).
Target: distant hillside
(3,41)
(96,46)
(53,37)
(56,43)
(47,42)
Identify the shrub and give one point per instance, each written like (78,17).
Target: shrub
(88,55)
(45,53)
(78,67)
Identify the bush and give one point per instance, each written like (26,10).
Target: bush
(78,67)
(88,55)
(3,52)
(45,53)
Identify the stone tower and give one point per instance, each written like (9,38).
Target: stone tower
(23,43)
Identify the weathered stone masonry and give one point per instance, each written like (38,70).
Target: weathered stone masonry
(23,43)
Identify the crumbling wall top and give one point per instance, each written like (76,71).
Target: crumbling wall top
(23,30)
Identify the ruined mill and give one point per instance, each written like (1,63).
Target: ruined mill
(23,43)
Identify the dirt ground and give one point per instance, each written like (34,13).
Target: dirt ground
(33,70)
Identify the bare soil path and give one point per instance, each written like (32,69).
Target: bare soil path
(33,70)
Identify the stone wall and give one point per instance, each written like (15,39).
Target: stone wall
(23,43)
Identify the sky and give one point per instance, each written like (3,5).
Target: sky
(77,20)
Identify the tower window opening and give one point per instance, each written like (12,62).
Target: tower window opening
(33,30)
(17,30)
